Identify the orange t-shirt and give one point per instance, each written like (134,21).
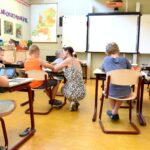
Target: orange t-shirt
(33,64)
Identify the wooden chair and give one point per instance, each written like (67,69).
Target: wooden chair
(122,77)
(40,75)
(6,108)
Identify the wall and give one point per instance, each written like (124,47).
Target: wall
(18,9)
(82,7)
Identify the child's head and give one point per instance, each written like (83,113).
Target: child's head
(34,50)
(112,48)
(59,53)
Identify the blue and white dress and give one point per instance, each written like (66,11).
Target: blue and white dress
(74,89)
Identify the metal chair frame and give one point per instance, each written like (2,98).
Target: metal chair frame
(3,114)
(121,74)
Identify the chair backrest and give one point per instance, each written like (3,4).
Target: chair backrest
(9,55)
(20,56)
(124,77)
(36,74)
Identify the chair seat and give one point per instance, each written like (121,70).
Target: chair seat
(6,107)
(132,96)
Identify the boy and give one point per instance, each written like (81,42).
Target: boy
(35,63)
(112,62)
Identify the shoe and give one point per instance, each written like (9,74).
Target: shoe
(113,117)
(73,106)
(55,102)
(25,132)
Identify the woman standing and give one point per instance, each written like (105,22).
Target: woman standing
(73,89)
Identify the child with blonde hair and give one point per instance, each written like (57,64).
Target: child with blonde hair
(35,63)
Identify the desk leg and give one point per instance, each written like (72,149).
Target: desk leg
(32,131)
(96,95)
(31,108)
(139,106)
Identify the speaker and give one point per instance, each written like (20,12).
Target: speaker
(61,21)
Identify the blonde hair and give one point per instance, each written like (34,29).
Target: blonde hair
(112,48)
(33,49)
(58,52)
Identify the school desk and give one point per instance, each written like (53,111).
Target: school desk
(18,84)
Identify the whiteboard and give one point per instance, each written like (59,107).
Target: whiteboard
(144,40)
(122,29)
(74,32)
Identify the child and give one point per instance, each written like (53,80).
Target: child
(35,63)
(112,62)
(59,59)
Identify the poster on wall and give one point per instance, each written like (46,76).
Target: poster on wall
(18,31)
(8,27)
(43,22)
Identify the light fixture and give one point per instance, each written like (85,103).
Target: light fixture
(116,4)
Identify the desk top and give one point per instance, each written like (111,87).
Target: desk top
(98,71)
(19,81)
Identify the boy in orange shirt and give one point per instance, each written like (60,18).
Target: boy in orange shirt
(35,63)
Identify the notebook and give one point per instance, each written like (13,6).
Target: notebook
(9,72)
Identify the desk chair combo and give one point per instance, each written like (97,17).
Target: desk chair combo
(122,77)
(6,108)
(39,75)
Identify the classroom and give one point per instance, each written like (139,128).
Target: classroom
(45,105)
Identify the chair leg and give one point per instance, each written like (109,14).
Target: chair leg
(101,106)
(39,113)
(130,111)
(137,131)
(4,133)
(27,102)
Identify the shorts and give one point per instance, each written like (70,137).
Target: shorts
(50,82)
